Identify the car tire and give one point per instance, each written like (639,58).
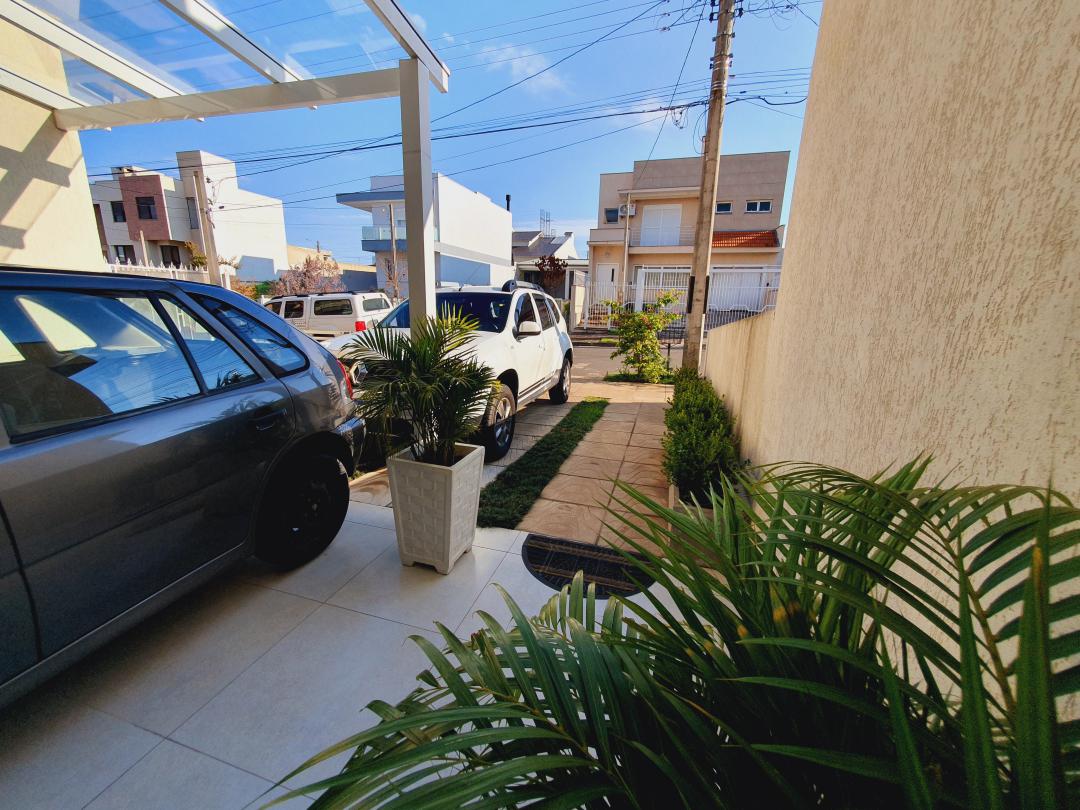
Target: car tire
(497,434)
(561,392)
(303,510)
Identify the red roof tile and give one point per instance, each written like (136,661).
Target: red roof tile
(745,239)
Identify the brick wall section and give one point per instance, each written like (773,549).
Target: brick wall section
(145,186)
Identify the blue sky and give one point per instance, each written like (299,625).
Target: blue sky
(489,45)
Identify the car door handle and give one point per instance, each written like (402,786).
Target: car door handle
(268,420)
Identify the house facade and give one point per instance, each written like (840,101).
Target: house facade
(644,239)
(529,246)
(472,234)
(145,218)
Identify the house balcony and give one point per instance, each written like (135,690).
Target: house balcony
(376,238)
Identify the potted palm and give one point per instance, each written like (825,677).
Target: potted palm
(428,382)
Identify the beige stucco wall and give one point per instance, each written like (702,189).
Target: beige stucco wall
(46,216)
(931,285)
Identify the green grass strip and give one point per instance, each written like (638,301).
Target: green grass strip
(507,499)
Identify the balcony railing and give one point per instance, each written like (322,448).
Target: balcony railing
(381,233)
(181,273)
(657,237)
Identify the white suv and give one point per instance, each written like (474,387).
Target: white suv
(327,315)
(522,337)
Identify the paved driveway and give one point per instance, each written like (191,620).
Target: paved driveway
(211,701)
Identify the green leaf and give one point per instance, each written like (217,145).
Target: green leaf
(913,780)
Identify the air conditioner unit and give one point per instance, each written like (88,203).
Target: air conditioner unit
(627,210)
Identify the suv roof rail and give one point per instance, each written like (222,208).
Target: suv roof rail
(514,284)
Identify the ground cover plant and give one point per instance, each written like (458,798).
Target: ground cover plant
(821,640)
(507,499)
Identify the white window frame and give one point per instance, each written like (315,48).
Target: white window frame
(757,206)
(729,203)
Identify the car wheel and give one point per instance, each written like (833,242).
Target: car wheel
(498,431)
(304,508)
(561,392)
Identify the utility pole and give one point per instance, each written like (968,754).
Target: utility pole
(710,171)
(209,246)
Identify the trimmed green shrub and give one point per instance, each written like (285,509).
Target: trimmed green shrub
(700,446)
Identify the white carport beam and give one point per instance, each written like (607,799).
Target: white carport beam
(219,28)
(304,93)
(419,202)
(51,30)
(401,28)
(38,93)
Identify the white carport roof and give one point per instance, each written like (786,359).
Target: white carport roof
(146,61)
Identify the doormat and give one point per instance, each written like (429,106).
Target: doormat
(554,562)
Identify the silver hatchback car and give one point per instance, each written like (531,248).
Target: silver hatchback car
(151,432)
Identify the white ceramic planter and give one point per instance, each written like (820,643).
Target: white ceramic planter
(435,507)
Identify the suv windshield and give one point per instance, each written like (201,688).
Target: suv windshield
(490,309)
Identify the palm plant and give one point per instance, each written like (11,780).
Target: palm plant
(816,640)
(426,379)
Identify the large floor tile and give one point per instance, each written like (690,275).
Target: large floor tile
(417,594)
(355,546)
(307,693)
(620,437)
(567,520)
(575,489)
(499,539)
(646,440)
(172,777)
(539,417)
(645,455)
(530,594)
(602,468)
(522,428)
(56,754)
(372,515)
(591,449)
(638,474)
(164,670)
(653,428)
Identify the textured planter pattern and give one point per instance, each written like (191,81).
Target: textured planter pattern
(435,507)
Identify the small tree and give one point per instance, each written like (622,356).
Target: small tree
(198,258)
(396,277)
(638,336)
(552,274)
(317,274)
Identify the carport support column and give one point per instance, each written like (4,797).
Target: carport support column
(416,165)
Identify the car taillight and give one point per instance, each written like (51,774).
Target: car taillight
(348,380)
(360,326)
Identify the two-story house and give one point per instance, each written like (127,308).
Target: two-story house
(145,217)
(644,239)
(472,234)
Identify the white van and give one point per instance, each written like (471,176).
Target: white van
(327,315)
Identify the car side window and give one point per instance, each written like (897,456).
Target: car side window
(220,366)
(67,357)
(547,320)
(332,306)
(274,306)
(555,311)
(524,311)
(273,349)
(294,309)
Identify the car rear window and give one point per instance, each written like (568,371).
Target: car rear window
(294,309)
(373,304)
(281,356)
(68,357)
(547,320)
(333,306)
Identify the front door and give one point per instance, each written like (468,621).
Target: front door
(139,436)
(660,225)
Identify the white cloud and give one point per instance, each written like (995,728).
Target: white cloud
(448,38)
(519,62)
(418,21)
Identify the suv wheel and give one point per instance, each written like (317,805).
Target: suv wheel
(561,392)
(303,510)
(498,431)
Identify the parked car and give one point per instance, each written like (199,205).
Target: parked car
(327,315)
(151,432)
(521,336)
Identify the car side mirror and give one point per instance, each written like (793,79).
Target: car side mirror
(528,328)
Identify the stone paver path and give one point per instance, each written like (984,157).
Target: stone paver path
(623,445)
